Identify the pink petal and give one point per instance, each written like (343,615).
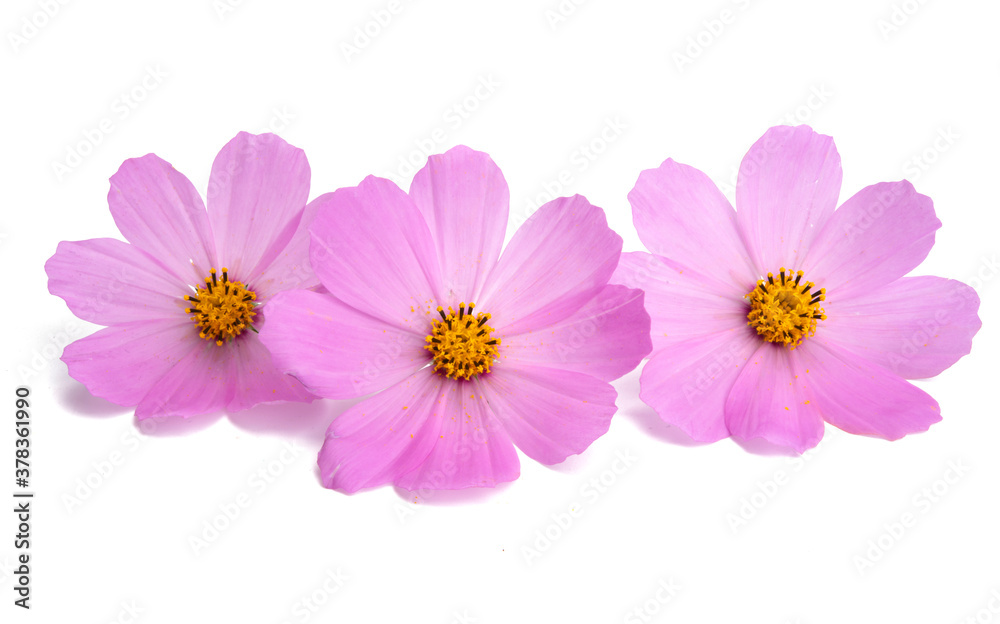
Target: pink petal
(681,215)
(384,437)
(472,448)
(200,383)
(878,235)
(258,188)
(159,211)
(335,350)
(688,384)
(550,414)
(122,363)
(233,377)
(107,281)
(557,261)
(372,250)
(916,326)
(254,378)
(464,199)
(786,190)
(291,268)
(864,398)
(681,304)
(773,399)
(606,338)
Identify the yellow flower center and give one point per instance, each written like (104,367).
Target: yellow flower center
(463,345)
(222,309)
(784,310)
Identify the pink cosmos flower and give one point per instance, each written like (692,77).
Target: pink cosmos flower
(785,313)
(183,298)
(473,352)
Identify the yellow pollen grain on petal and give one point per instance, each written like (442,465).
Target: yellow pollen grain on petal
(221,308)
(784,308)
(462,342)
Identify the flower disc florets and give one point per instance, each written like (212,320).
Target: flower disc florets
(462,344)
(784,309)
(223,309)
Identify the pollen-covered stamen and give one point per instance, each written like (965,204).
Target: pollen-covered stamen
(784,309)
(223,309)
(462,343)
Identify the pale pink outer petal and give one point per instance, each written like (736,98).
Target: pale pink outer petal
(701,343)
(863,398)
(291,268)
(606,338)
(159,211)
(464,199)
(556,262)
(372,250)
(787,188)
(773,399)
(879,235)
(210,378)
(254,378)
(385,436)
(680,214)
(122,363)
(107,281)
(335,350)
(688,384)
(916,326)
(257,190)
(682,305)
(550,414)
(197,384)
(472,448)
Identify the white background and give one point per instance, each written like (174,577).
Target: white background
(917,99)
